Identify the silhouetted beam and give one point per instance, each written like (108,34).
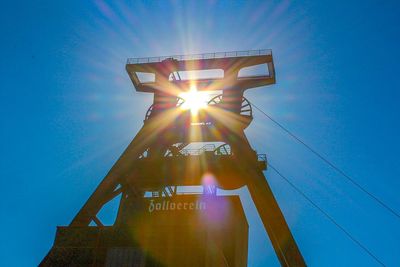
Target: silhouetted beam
(110,182)
(230,65)
(274,222)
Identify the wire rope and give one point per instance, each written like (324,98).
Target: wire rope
(329,217)
(328,162)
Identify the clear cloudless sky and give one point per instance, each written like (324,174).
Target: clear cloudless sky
(68,110)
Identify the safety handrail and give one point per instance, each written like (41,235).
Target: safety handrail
(248,53)
(197,151)
(262,157)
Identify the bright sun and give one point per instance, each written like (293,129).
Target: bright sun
(194,100)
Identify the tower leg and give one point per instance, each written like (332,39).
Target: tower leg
(108,185)
(274,222)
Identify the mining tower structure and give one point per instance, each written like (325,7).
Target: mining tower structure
(157,223)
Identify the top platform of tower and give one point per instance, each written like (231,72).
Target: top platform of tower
(238,70)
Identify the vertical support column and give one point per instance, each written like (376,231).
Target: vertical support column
(274,222)
(232,100)
(268,209)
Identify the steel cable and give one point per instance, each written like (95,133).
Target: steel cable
(333,166)
(330,218)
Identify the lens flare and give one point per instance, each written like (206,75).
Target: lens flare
(194,100)
(208,179)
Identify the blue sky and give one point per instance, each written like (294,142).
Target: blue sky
(68,110)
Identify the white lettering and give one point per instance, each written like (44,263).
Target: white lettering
(151,206)
(167,205)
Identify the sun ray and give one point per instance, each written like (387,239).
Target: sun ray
(194,100)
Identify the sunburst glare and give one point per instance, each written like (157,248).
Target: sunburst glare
(194,100)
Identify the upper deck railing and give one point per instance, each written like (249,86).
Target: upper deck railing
(248,53)
(197,151)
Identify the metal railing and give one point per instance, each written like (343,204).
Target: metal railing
(197,151)
(262,157)
(248,53)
